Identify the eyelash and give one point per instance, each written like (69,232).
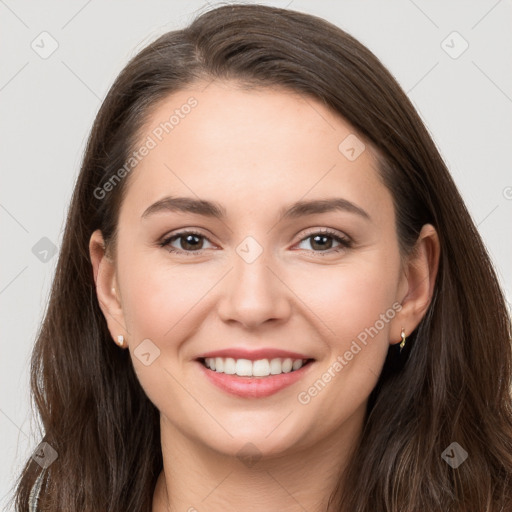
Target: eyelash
(345,242)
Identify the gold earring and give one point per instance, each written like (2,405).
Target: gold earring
(402,335)
(120,340)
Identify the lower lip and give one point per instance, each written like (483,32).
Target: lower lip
(254,387)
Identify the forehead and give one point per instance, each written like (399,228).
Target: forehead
(250,148)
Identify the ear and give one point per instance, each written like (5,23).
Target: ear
(106,286)
(416,285)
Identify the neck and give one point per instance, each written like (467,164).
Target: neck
(196,478)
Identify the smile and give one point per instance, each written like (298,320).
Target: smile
(258,368)
(253,379)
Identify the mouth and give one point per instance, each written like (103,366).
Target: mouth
(260,368)
(260,378)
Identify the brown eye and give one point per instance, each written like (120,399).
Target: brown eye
(188,242)
(326,240)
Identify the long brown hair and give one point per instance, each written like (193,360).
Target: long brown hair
(452,382)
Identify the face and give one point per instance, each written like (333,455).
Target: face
(251,277)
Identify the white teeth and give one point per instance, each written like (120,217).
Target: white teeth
(287,365)
(296,365)
(248,368)
(243,367)
(229,366)
(275,366)
(261,368)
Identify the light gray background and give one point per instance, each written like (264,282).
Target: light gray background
(47,107)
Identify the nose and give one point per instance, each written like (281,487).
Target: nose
(254,294)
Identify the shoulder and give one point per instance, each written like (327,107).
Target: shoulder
(34,493)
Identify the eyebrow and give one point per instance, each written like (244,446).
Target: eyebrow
(216,210)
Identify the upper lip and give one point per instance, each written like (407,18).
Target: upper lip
(254,355)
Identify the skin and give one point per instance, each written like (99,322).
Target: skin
(255,152)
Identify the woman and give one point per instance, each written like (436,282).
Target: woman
(270,294)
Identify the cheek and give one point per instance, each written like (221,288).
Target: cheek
(347,298)
(159,296)
(161,304)
(354,307)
